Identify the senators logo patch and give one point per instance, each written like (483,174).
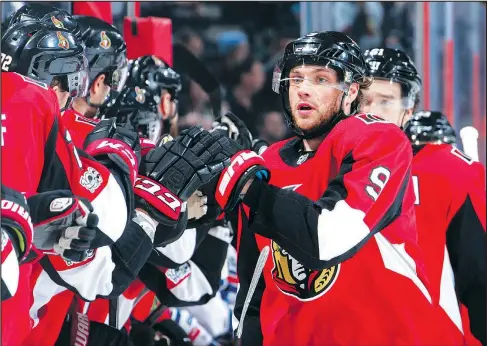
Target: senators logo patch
(57,23)
(62,41)
(293,279)
(105,41)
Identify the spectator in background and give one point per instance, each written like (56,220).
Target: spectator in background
(397,27)
(361,21)
(233,47)
(271,126)
(246,79)
(194,107)
(192,41)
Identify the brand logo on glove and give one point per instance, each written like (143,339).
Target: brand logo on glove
(120,148)
(230,171)
(154,194)
(60,204)
(9,206)
(294,280)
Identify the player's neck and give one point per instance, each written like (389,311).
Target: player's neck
(83,108)
(312,144)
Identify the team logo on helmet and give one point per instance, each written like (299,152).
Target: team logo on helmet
(57,23)
(292,279)
(62,41)
(105,42)
(139,95)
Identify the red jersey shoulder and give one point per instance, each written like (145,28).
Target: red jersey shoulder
(24,89)
(78,125)
(369,130)
(460,165)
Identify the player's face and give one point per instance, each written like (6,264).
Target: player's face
(312,97)
(383,98)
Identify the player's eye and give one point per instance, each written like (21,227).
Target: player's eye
(385,103)
(321,80)
(296,80)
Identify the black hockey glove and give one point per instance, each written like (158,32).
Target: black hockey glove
(78,330)
(118,148)
(16,222)
(171,334)
(234,128)
(64,224)
(173,171)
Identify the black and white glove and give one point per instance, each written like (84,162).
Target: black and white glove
(64,224)
(234,128)
(173,171)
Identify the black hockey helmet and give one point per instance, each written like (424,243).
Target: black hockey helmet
(331,49)
(106,52)
(397,67)
(429,127)
(50,16)
(47,55)
(138,106)
(150,72)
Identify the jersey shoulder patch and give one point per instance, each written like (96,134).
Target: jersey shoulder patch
(461,155)
(369,118)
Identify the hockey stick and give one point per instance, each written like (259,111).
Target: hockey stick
(259,267)
(185,62)
(470,137)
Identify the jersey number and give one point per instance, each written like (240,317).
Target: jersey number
(4,129)
(416,189)
(378,178)
(6,61)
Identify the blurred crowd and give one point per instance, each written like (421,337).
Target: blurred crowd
(241,44)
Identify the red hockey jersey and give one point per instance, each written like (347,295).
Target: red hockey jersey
(344,266)
(38,155)
(450,213)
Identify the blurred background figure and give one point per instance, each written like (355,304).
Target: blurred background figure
(241,44)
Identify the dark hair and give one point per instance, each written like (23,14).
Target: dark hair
(238,70)
(185,34)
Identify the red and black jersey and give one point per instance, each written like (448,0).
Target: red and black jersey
(79,126)
(450,213)
(344,265)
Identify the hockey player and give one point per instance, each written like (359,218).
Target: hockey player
(336,216)
(450,191)
(451,228)
(151,73)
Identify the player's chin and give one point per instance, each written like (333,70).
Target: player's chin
(306,123)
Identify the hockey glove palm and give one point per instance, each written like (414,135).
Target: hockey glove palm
(64,224)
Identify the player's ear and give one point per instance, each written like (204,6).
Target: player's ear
(98,83)
(350,97)
(166,107)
